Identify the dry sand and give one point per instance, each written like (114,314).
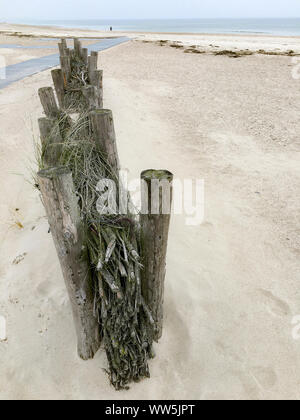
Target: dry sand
(232,286)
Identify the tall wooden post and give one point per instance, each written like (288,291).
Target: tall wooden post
(61,205)
(155,222)
(85,56)
(65,62)
(92,64)
(51,140)
(78,47)
(48,102)
(96,79)
(58,81)
(104,135)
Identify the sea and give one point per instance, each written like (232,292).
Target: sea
(285,26)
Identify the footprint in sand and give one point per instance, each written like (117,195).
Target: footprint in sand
(276,306)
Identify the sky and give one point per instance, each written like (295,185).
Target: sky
(143,9)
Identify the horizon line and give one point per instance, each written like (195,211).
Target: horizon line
(152,18)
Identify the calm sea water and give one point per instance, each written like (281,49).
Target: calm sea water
(251,26)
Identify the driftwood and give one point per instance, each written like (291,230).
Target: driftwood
(63,213)
(155,221)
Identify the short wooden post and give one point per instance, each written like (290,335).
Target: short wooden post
(93,97)
(48,102)
(155,222)
(61,205)
(102,124)
(58,81)
(51,140)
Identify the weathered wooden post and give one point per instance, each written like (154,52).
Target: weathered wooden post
(51,140)
(96,79)
(155,221)
(102,124)
(58,81)
(62,46)
(48,102)
(61,204)
(65,62)
(85,56)
(92,96)
(92,64)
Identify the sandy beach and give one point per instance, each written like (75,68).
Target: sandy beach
(232,287)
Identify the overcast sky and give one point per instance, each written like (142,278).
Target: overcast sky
(135,9)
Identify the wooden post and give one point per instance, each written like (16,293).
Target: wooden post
(78,47)
(51,140)
(64,43)
(85,56)
(92,64)
(102,124)
(48,101)
(93,97)
(58,81)
(62,46)
(61,50)
(61,205)
(155,222)
(65,63)
(96,79)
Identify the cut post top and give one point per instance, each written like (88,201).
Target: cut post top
(101,112)
(159,174)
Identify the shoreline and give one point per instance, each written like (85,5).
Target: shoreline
(215,34)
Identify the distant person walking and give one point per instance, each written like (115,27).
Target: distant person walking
(111,29)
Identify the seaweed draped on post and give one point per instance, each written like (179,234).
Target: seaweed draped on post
(114,250)
(112,241)
(109,289)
